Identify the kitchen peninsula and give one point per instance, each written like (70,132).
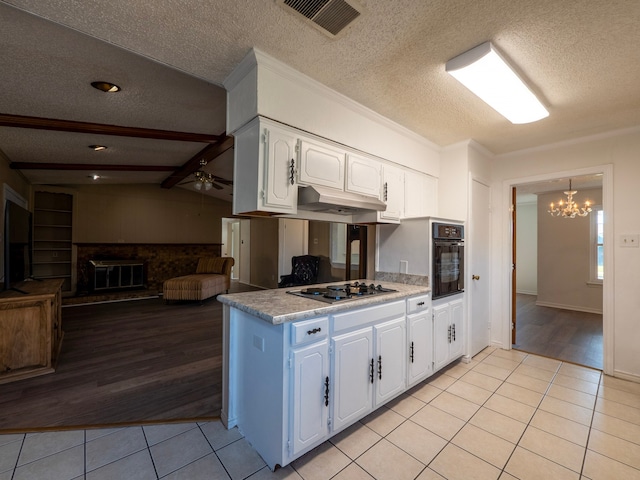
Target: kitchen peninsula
(297,371)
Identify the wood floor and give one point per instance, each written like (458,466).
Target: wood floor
(561,334)
(126,362)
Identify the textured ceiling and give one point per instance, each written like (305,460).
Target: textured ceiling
(581,56)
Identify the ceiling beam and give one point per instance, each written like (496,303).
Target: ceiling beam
(19,121)
(88,166)
(207,154)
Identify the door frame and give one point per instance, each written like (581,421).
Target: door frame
(608,283)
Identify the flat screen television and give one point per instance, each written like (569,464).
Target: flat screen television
(18,241)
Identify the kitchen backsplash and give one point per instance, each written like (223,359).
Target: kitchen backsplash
(405,278)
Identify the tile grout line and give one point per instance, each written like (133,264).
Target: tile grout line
(146,441)
(593,414)
(15,467)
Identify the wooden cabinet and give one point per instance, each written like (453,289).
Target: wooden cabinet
(52,237)
(320,164)
(448,333)
(265,166)
(30,329)
(419,339)
(363,176)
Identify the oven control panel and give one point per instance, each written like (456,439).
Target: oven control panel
(448,231)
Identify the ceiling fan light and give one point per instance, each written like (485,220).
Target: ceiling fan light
(97,148)
(488,75)
(207,186)
(106,87)
(197,185)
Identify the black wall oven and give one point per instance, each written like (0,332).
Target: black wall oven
(448,259)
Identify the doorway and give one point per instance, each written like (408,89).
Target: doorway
(558,309)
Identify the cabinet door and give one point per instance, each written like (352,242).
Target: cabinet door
(280,189)
(321,165)
(420,195)
(352,376)
(457,315)
(310,384)
(390,359)
(441,335)
(393,192)
(364,176)
(420,346)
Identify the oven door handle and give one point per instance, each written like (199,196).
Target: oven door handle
(448,244)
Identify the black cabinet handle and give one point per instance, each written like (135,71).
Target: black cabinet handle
(371,371)
(315,330)
(386,189)
(420,304)
(453,329)
(326,392)
(293,171)
(380,367)
(449,333)
(411,352)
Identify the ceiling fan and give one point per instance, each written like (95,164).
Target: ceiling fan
(207,180)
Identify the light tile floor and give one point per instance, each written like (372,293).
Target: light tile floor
(505,415)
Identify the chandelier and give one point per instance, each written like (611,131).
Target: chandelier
(569,209)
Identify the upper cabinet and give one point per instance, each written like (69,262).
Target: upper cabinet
(393,193)
(420,195)
(321,164)
(265,166)
(364,176)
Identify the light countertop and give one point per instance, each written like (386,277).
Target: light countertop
(277,306)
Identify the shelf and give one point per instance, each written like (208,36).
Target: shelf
(51,263)
(51,249)
(51,276)
(51,210)
(52,241)
(52,226)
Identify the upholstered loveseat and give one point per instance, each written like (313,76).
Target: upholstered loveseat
(213,276)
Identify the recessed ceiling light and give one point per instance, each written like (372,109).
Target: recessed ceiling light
(97,148)
(107,87)
(94,176)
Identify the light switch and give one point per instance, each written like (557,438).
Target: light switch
(404,266)
(629,240)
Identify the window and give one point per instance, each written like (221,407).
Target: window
(597,245)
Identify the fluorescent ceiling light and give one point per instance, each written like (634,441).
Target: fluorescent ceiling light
(483,71)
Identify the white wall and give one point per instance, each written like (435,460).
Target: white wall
(620,150)
(527,248)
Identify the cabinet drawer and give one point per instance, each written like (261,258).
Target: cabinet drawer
(368,315)
(416,304)
(309,330)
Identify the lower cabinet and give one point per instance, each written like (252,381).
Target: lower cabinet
(310,386)
(447,332)
(297,384)
(419,338)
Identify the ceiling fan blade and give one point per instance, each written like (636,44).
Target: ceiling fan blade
(186,183)
(217,186)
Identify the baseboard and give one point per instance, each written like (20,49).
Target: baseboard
(575,308)
(527,292)
(632,377)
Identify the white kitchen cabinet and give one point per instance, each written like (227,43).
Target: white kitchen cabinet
(420,195)
(419,339)
(392,193)
(448,332)
(369,365)
(363,176)
(390,359)
(310,386)
(353,375)
(265,165)
(320,164)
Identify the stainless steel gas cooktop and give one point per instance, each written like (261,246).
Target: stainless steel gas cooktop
(341,292)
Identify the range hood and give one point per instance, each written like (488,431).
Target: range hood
(323,199)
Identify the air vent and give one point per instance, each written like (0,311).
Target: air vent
(329,16)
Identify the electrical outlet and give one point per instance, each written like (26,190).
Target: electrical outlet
(629,240)
(404,266)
